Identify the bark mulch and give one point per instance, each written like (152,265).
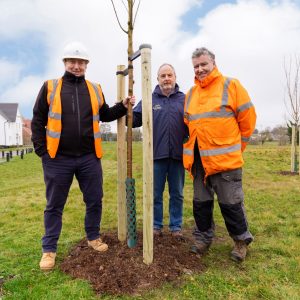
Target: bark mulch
(121,271)
(288,173)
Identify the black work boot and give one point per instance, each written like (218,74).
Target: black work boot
(200,248)
(239,251)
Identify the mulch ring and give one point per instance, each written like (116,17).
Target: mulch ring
(288,173)
(121,271)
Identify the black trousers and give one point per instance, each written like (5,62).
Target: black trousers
(58,175)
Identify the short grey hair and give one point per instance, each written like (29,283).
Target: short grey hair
(166,64)
(203,51)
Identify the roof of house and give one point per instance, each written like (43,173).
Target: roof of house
(27,131)
(9,111)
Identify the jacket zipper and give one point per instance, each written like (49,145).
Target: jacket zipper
(169,125)
(73,104)
(78,111)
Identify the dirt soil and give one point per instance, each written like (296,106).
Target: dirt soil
(288,173)
(121,271)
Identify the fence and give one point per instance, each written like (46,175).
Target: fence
(7,155)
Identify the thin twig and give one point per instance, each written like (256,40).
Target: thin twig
(125,6)
(136,12)
(118,17)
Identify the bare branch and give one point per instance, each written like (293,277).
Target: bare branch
(125,6)
(136,12)
(118,17)
(292,76)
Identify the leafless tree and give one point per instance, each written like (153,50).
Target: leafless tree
(292,102)
(292,98)
(265,135)
(105,131)
(129,31)
(136,134)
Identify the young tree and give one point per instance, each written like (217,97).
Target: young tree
(292,103)
(130,182)
(292,99)
(129,31)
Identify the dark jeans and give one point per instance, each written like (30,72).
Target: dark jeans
(58,176)
(173,171)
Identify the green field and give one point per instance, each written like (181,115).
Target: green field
(271,271)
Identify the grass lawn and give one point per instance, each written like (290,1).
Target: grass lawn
(271,271)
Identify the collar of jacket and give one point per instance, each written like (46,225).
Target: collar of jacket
(157,90)
(208,79)
(72,78)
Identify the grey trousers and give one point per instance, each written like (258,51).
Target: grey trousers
(228,188)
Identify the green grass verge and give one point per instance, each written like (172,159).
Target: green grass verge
(271,270)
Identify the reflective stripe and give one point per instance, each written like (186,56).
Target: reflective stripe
(55,84)
(53,134)
(220,151)
(188,152)
(189,99)
(245,139)
(244,106)
(96,118)
(97,93)
(53,115)
(212,114)
(97,135)
(225,93)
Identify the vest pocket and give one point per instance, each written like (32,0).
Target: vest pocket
(220,141)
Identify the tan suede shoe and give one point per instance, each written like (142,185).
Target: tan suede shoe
(48,261)
(98,245)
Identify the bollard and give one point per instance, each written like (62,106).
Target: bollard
(26,150)
(2,154)
(17,152)
(22,154)
(7,157)
(10,154)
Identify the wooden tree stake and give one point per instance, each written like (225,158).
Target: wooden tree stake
(121,155)
(147,155)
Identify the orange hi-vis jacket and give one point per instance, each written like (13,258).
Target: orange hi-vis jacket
(54,124)
(220,115)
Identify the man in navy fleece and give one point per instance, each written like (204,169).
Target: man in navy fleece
(168,134)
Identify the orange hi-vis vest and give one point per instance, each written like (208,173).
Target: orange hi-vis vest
(220,115)
(54,125)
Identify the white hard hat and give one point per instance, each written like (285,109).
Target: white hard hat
(75,50)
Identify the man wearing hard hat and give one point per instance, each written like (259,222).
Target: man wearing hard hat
(66,135)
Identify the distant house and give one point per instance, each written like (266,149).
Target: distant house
(10,125)
(27,132)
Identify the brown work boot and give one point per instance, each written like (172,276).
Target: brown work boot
(200,248)
(239,251)
(47,262)
(98,245)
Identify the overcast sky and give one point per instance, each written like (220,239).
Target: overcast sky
(249,38)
